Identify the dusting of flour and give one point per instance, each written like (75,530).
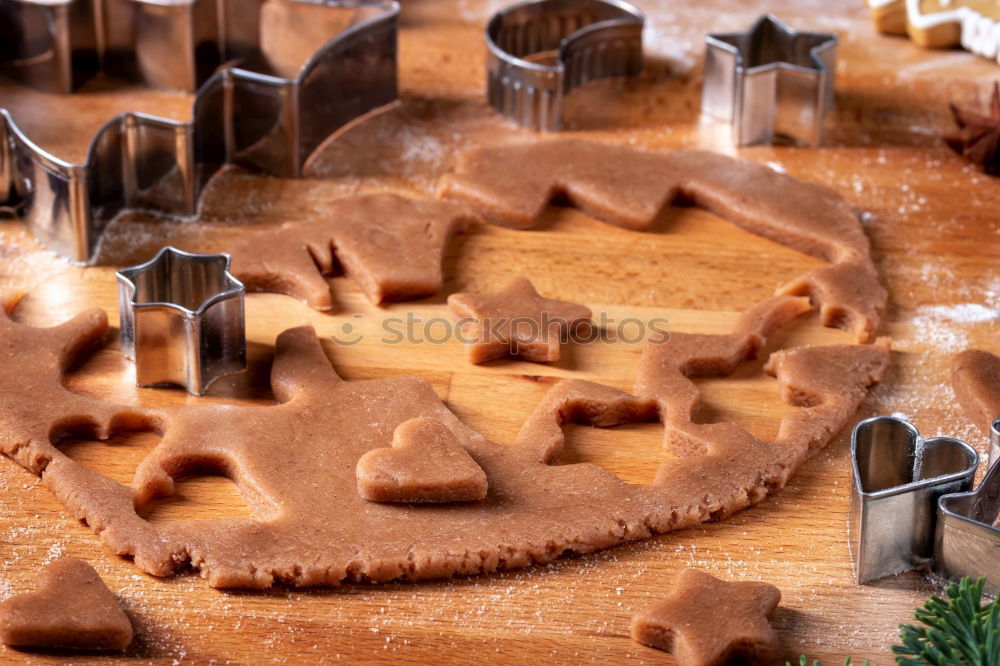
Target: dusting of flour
(945,327)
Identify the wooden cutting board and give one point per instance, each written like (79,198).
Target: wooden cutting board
(932,220)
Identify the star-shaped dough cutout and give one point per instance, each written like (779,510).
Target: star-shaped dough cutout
(515,321)
(709,621)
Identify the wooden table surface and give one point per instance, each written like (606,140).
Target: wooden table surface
(932,221)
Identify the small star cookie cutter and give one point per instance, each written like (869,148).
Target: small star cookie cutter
(540,50)
(246,113)
(771,83)
(967,541)
(912,506)
(182,319)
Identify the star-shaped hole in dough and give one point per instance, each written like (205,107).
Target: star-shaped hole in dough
(709,621)
(516,321)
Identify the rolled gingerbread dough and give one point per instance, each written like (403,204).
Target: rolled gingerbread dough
(975,378)
(512,183)
(294,462)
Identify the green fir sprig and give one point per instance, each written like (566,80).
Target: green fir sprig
(816,662)
(959,631)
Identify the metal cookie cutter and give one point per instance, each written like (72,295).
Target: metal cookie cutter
(771,82)
(967,542)
(898,479)
(994,442)
(182,319)
(540,50)
(251,112)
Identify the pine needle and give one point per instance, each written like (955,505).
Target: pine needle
(957,631)
(960,630)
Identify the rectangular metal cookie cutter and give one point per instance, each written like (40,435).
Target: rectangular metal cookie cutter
(249,112)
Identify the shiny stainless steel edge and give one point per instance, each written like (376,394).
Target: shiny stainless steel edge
(252,119)
(786,97)
(182,319)
(967,541)
(574,41)
(994,442)
(898,479)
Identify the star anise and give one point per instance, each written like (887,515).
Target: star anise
(978,136)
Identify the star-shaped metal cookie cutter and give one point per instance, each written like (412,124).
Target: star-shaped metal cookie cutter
(182,319)
(772,83)
(967,540)
(911,507)
(249,112)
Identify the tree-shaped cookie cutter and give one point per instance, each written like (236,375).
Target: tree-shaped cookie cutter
(540,50)
(911,507)
(246,113)
(182,319)
(770,82)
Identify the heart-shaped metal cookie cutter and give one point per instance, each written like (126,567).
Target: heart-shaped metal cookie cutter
(912,507)
(898,479)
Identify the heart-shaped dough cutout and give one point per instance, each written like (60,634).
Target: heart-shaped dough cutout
(426,463)
(71,607)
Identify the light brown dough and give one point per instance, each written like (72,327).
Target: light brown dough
(975,378)
(389,245)
(294,462)
(709,622)
(426,463)
(71,607)
(516,321)
(513,183)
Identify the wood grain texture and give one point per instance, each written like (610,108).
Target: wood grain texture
(932,220)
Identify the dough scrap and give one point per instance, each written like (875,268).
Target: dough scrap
(513,183)
(71,607)
(294,462)
(707,621)
(391,246)
(426,463)
(515,321)
(975,378)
